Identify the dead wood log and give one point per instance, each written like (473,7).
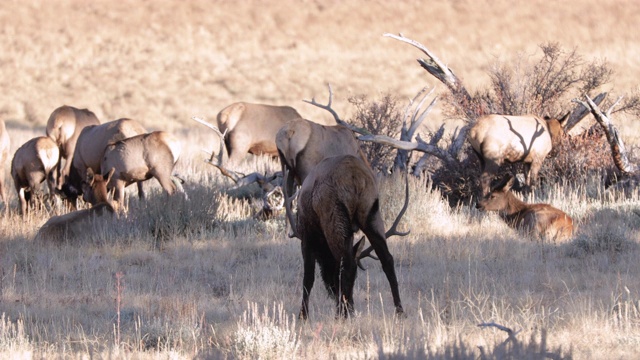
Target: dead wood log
(618,151)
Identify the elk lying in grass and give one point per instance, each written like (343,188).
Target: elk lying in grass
(64,126)
(541,220)
(80,222)
(35,161)
(340,196)
(5,145)
(499,138)
(140,158)
(90,147)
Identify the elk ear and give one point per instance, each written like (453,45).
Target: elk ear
(90,176)
(109,175)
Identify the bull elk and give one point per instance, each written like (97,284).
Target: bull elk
(500,138)
(541,220)
(78,223)
(90,147)
(5,145)
(64,126)
(140,158)
(34,162)
(338,197)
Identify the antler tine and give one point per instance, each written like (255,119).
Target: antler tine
(287,205)
(393,229)
(220,134)
(339,121)
(362,255)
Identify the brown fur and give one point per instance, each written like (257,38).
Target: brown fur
(541,220)
(500,138)
(338,197)
(90,147)
(5,146)
(35,161)
(251,128)
(64,126)
(140,158)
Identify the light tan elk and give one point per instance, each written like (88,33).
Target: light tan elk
(141,158)
(34,162)
(500,138)
(92,142)
(337,198)
(64,126)
(541,220)
(302,144)
(76,224)
(5,146)
(251,128)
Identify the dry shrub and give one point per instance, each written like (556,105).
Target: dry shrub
(380,117)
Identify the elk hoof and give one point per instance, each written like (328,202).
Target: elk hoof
(400,314)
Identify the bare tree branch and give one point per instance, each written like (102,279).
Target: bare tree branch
(618,151)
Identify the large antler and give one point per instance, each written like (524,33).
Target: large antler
(339,121)
(288,200)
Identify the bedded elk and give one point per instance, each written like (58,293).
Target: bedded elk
(541,220)
(90,147)
(79,223)
(140,158)
(64,126)
(5,145)
(340,196)
(500,138)
(34,162)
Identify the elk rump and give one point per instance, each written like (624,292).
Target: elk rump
(34,162)
(338,197)
(64,126)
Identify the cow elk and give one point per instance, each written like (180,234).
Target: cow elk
(64,126)
(5,146)
(303,144)
(34,162)
(79,223)
(338,197)
(500,138)
(90,147)
(140,158)
(251,128)
(540,220)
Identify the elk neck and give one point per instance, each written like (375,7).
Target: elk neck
(514,208)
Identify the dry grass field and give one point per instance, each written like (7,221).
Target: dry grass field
(201,278)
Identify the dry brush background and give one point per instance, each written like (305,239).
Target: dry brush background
(202,278)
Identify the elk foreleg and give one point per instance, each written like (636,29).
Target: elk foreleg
(489,170)
(140,190)
(308,279)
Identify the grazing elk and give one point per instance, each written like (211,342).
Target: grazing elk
(90,147)
(499,138)
(141,158)
(64,126)
(337,198)
(35,161)
(541,220)
(251,128)
(5,145)
(80,222)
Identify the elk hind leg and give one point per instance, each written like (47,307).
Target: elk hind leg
(374,230)
(307,280)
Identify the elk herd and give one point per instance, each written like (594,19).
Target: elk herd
(323,168)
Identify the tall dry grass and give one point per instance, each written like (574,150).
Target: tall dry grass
(203,279)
